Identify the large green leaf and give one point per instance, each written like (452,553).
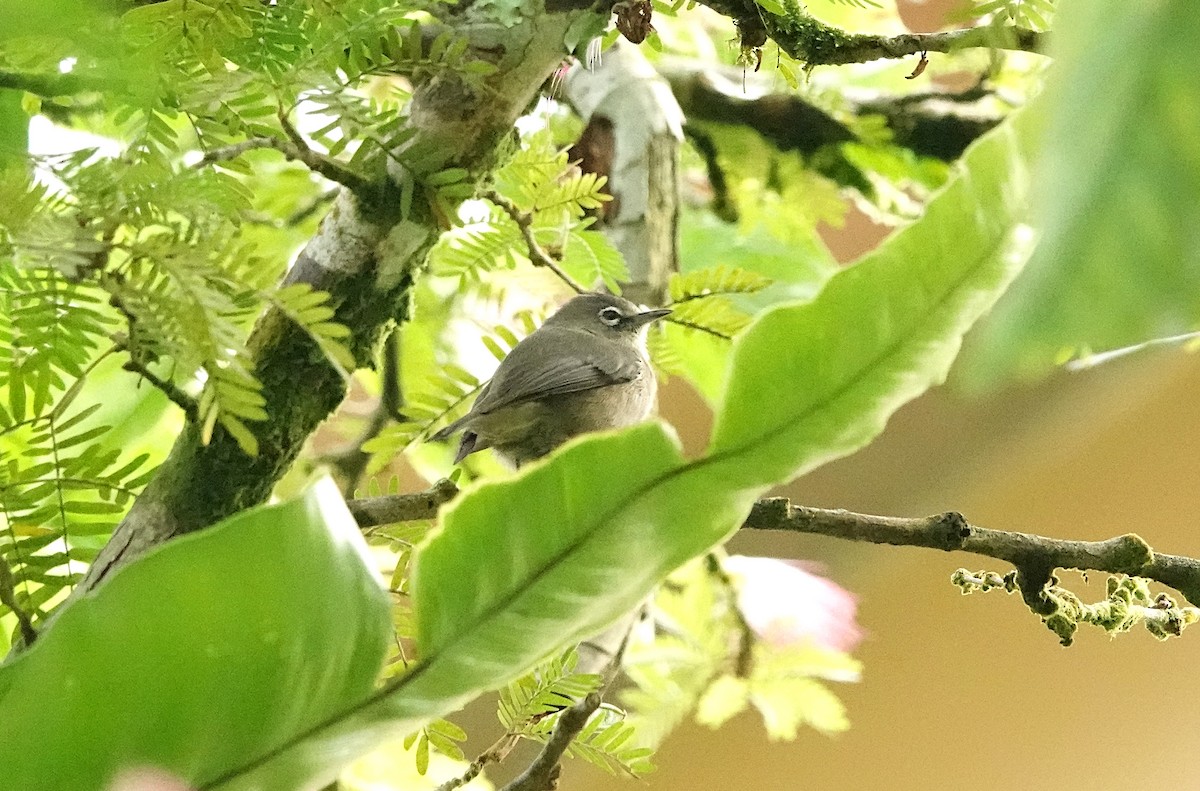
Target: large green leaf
(525,565)
(1114,191)
(205,654)
(792,257)
(818,381)
(14,129)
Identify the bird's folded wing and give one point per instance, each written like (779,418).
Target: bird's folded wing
(555,362)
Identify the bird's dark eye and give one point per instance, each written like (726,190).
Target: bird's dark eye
(611,316)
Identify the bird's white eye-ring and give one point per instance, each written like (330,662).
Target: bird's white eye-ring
(611,316)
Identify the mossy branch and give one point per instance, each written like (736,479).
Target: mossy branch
(1034,557)
(817,44)
(811,41)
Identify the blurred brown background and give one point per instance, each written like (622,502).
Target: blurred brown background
(973,691)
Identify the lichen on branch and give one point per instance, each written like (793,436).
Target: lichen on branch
(811,41)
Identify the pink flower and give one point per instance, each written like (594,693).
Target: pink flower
(787,605)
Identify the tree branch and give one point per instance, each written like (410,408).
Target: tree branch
(542,774)
(1034,557)
(8,597)
(297,148)
(47,85)
(1127,554)
(366,256)
(817,44)
(537,255)
(492,755)
(235,150)
(392,508)
(791,123)
(811,41)
(351,462)
(168,388)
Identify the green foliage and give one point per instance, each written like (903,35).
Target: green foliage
(701,305)
(102,690)
(63,485)
(786,688)
(1033,14)
(554,196)
(671,669)
(900,311)
(169,263)
(700,299)
(706,660)
(441,735)
(605,741)
(1120,145)
(548,688)
(129,247)
(58,481)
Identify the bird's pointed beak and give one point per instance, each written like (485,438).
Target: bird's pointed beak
(645,317)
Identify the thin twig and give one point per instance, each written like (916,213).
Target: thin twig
(317,163)
(392,508)
(542,774)
(537,255)
(492,755)
(8,597)
(134,365)
(1035,557)
(722,204)
(1099,358)
(235,150)
(693,326)
(744,659)
(172,391)
(310,208)
(553,750)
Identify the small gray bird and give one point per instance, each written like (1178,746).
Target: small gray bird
(584,370)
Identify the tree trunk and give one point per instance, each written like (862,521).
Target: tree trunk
(367,256)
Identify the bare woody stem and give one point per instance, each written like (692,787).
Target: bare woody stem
(537,253)
(294,147)
(494,754)
(389,509)
(1035,557)
(176,395)
(542,774)
(8,597)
